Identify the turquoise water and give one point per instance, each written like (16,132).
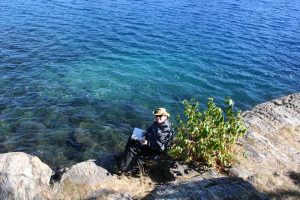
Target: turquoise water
(77,76)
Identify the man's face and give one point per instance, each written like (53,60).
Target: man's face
(160,118)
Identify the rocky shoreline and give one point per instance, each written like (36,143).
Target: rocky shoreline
(267,167)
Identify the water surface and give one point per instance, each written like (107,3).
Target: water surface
(77,76)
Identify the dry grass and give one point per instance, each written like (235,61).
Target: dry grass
(136,187)
(271,175)
(277,186)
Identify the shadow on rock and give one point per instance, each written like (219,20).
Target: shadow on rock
(109,162)
(57,175)
(285,194)
(216,188)
(160,171)
(295,177)
(109,194)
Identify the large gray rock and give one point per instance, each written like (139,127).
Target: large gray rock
(87,180)
(270,150)
(208,189)
(87,173)
(272,115)
(24,177)
(273,139)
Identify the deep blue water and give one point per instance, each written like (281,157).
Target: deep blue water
(77,76)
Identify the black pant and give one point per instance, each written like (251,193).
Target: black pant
(133,150)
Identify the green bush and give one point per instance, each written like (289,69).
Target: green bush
(207,137)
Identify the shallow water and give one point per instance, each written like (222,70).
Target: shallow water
(77,76)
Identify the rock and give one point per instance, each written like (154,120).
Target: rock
(215,188)
(24,177)
(239,172)
(83,180)
(110,161)
(79,138)
(31,127)
(275,114)
(82,136)
(180,169)
(109,195)
(272,137)
(183,172)
(87,173)
(271,147)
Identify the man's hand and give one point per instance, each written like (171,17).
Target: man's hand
(143,142)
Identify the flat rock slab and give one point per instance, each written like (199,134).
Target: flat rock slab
(216,189)
(272,115)
(270,150)
(272,142)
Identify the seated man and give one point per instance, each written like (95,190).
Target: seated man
(157,138)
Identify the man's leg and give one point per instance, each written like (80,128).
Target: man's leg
(130,154)
(147,151)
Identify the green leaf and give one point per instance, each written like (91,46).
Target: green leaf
(208,135)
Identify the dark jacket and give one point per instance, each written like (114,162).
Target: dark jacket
(159,135)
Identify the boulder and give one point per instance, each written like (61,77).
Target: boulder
(23,176)
(272,140)
(84,180)
(272,115)
(87,173)
(270,150)
(239,172)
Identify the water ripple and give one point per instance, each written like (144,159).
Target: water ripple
(92,70)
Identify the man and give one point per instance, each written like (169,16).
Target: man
(157,138)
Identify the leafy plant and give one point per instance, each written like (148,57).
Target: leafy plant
(208,136)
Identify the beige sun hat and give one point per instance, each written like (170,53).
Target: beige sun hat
(161,111)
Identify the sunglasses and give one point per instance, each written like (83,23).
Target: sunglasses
(158,116)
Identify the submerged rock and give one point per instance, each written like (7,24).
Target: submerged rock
(82,137)
(31,127)
(79,138)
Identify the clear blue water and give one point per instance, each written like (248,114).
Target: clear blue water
(77,76)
